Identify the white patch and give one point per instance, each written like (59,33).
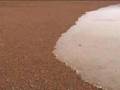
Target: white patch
(92,47)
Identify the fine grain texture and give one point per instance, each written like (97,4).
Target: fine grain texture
(28,33)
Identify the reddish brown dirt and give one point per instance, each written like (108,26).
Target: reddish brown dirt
(28,33)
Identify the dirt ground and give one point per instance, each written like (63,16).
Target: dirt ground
(28,33)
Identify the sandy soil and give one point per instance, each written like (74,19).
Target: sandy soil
(28,33)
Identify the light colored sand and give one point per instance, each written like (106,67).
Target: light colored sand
(92,47)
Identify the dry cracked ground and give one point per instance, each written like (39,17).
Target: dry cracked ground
(28,33)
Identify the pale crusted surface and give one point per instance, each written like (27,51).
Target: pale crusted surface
(28,33)
(92,47)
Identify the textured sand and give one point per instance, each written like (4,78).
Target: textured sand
(28,33)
